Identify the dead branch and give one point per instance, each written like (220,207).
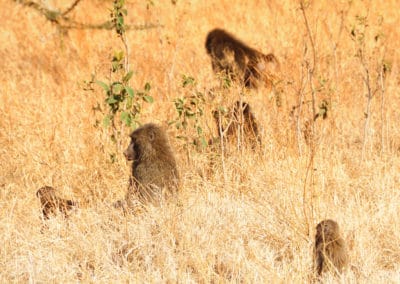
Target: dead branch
(64,22)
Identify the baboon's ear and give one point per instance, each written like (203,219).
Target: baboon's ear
(152,135)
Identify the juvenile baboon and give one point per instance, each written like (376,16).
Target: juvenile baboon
(242,124)
(154,169)
(52,204)
(240,62)
(330,252)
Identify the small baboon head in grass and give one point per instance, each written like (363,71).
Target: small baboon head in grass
(52,204)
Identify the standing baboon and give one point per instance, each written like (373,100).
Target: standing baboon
(239,61)
(52,204)
(330,252)
(154,170)
(242,124)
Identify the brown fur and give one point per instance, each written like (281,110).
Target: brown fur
(240,62)
(330,252)
(52,204)
(242,123)
(154,169)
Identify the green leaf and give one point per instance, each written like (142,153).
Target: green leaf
(126,118)
(103,85)
(127,77)
(117,88)
(52,15)
(111,100)
(130,91)
(120,21)
(199,130)
(148,99)
(189,114)
(222,109)
(118,55)
(107,121)
(128,103)
(134,124)
(188,80)
(115,66)
(203,142)
(147,87)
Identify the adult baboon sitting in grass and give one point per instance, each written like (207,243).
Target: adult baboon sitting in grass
(154,171)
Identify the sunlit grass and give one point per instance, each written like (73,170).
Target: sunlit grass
(247,217)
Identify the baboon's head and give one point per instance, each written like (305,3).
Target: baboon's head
(327,229)
(241,107)
(216,114)
(210,38)
(208,44)
(45,191)
(130,152)
(145,142)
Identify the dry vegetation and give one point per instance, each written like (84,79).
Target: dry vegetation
(248,216)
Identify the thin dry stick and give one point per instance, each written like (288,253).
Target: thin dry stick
(240,125)
(382,83)
(312,70)
(310,165)
(126,46)
(64,22)
(367,82)
(221,134)
(300,105)
(124,40)
(343,15)
(71,7)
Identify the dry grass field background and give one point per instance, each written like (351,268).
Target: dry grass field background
(247,216)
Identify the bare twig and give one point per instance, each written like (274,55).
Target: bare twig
(313,67)
(310,166)
(366,79)
(64,22)
(221,134)
(70,8)
(382,86)
(299,113)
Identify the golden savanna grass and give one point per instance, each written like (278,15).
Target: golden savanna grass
(245,216)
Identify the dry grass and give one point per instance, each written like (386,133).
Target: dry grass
(251,220)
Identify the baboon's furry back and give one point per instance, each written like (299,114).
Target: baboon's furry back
(239,61)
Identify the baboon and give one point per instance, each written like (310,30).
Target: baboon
(242,123)
(240,62)
(154,169)
(330,252)
(52,204)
